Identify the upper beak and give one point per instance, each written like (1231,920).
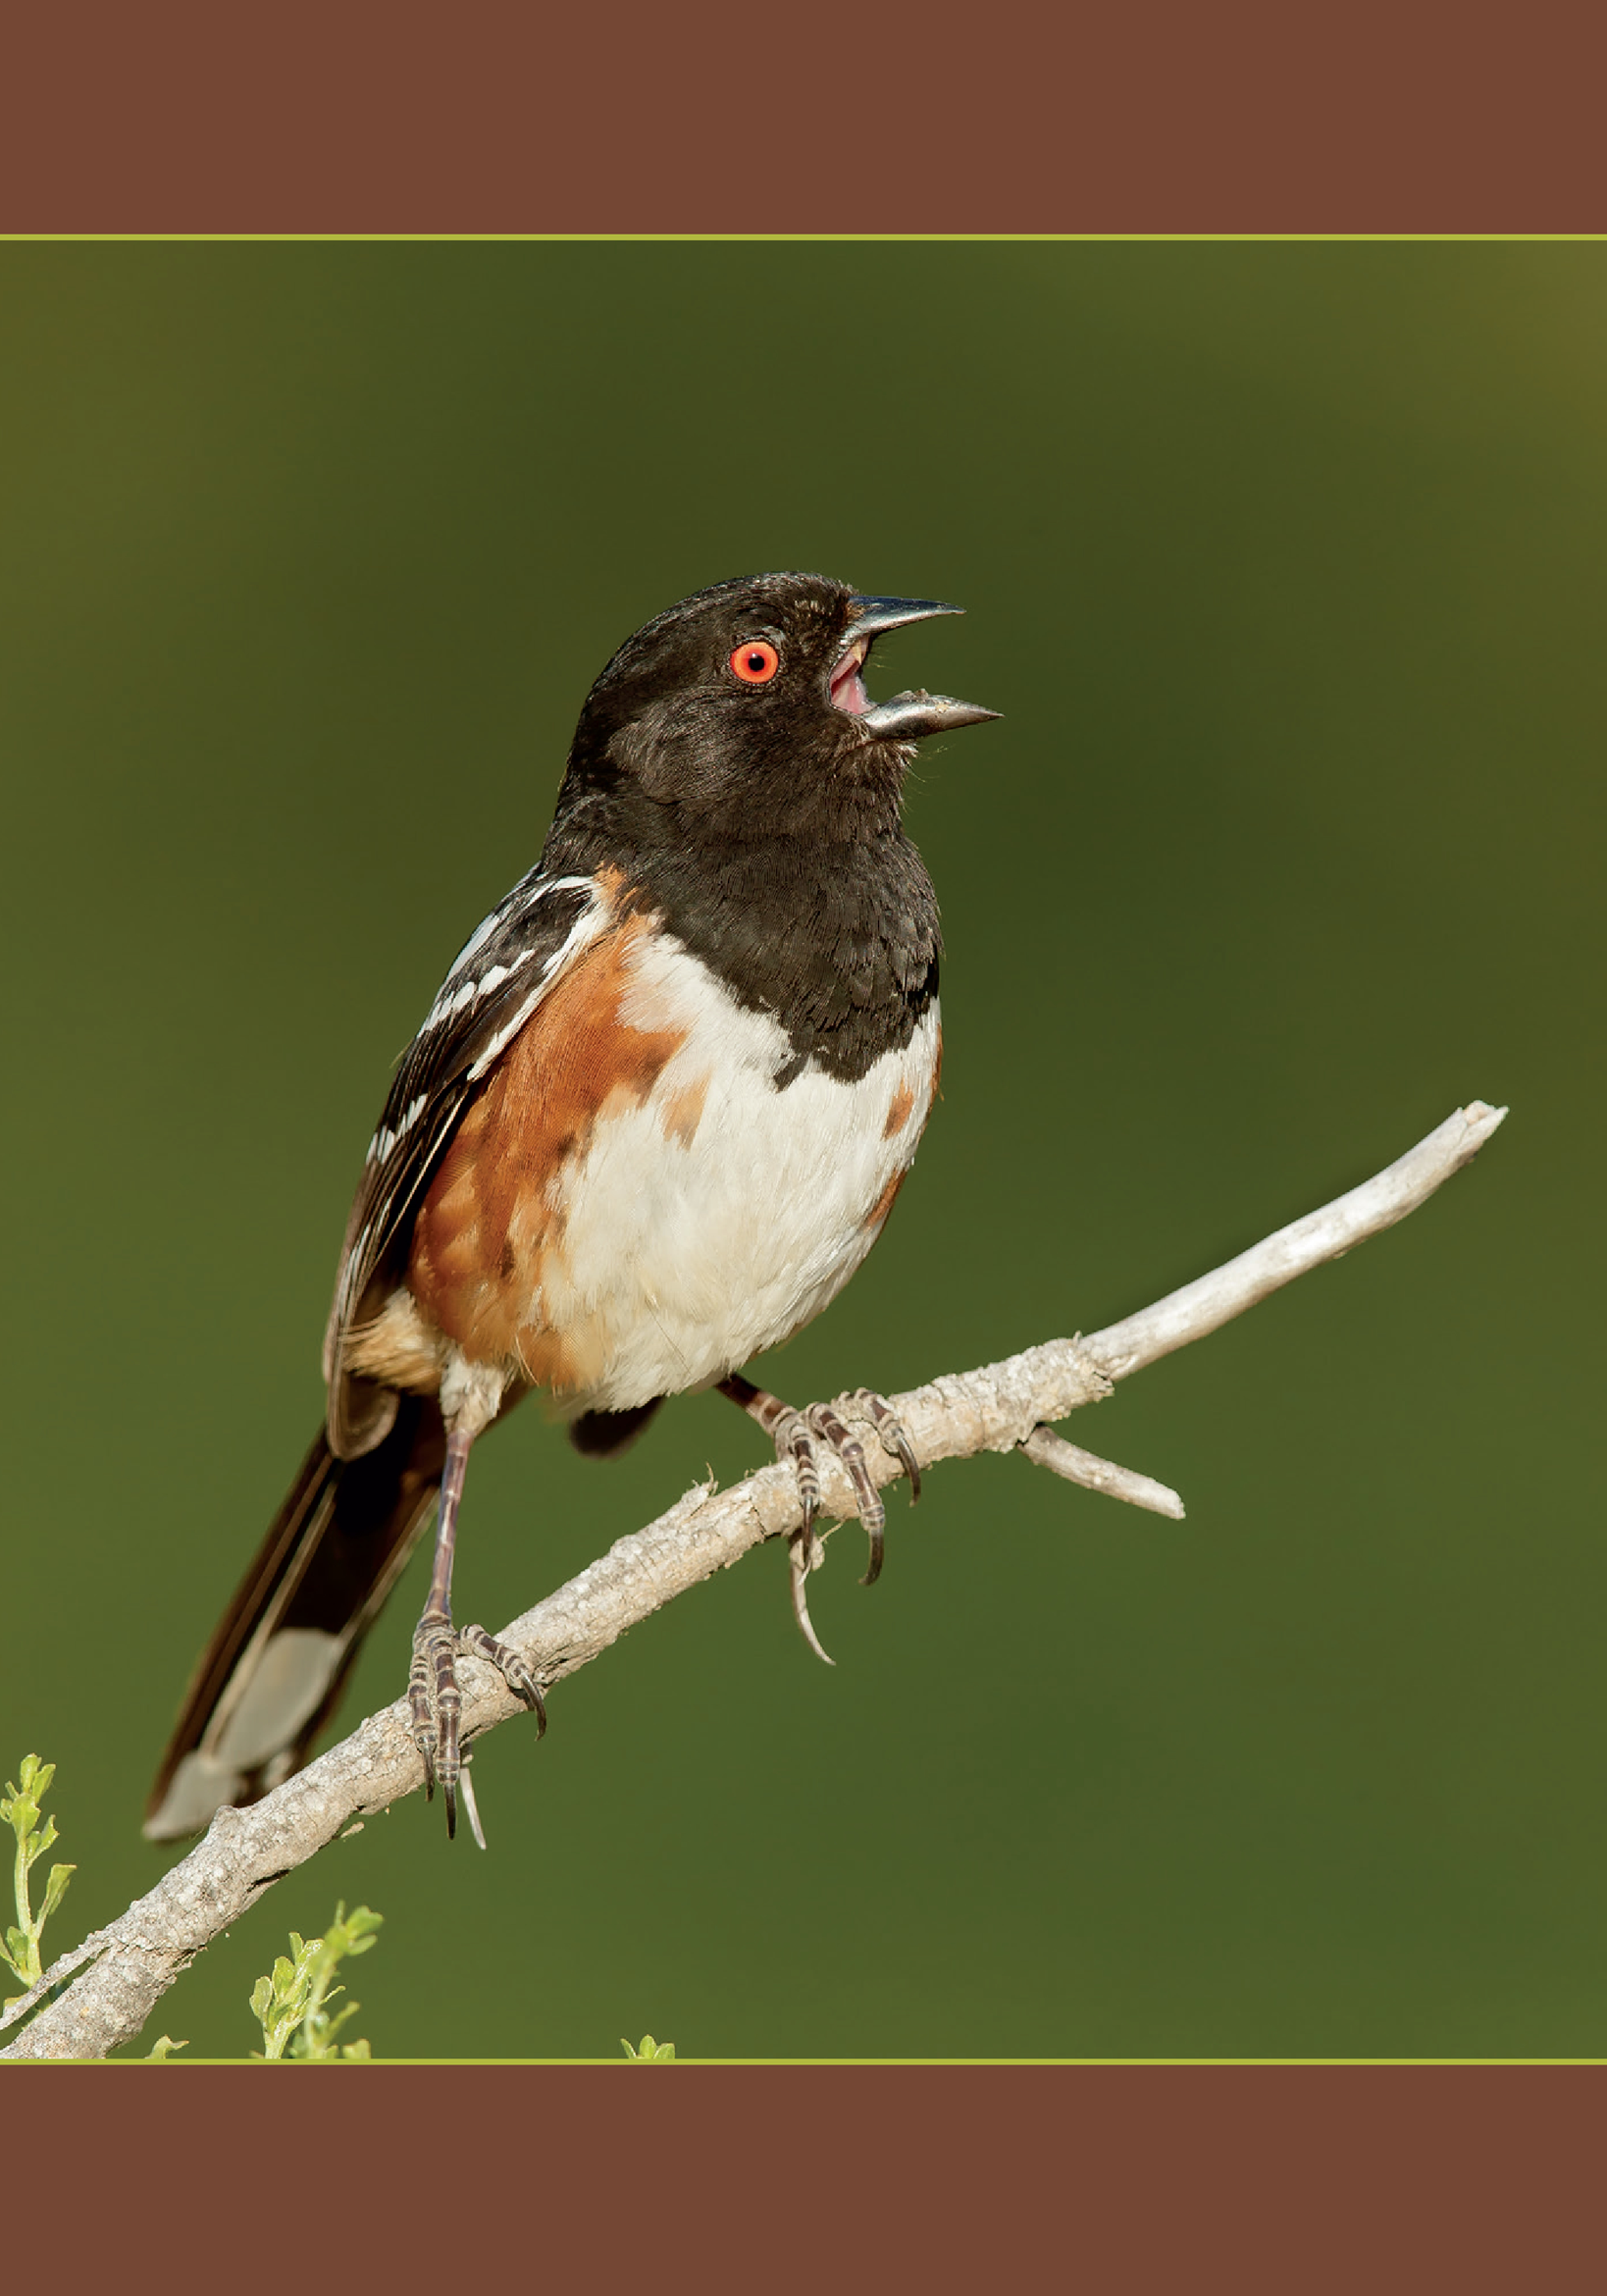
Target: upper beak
(871,614)
(909,715)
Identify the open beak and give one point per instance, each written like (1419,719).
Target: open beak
(909,715)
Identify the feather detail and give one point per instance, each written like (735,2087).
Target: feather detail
(498,980)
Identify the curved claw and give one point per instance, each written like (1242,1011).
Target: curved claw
(801,1551)
(905,1450)
(470,1804)
(448,1705)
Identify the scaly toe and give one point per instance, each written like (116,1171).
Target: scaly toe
(434,1703)
(794,1442)
(511,1667)
(891,1430)
(849,1448)
(421,1710)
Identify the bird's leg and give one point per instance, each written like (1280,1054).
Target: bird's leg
(794,1433)
(433,1698)
(433,1695)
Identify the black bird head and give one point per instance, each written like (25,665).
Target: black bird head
(743,709)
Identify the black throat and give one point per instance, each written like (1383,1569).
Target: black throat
(835,936)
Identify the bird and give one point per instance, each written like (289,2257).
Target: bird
(654,1120)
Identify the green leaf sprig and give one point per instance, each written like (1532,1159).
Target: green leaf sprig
(292,2004)
(21,1811)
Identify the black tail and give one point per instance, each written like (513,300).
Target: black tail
(272,1675)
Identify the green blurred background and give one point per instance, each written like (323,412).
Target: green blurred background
(1284,563)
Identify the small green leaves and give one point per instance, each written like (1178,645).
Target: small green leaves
(651,2052)
(279,2002)
(291,2005)
(164,2050)
(20,1810)
(56,1882)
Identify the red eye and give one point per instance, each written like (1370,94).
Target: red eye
(756,663)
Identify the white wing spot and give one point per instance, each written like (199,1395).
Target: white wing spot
(457,995)
(585,928)
(386,1138)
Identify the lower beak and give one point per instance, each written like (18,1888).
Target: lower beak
(909,715)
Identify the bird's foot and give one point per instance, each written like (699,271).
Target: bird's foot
(797,1435)
(435,1704)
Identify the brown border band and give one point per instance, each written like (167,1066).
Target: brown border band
(1390,116)
(775,2178)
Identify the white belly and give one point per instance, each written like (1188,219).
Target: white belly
(719,1216)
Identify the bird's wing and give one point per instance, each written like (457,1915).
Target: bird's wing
(501,975)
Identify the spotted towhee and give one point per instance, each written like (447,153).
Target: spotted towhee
(653,1121)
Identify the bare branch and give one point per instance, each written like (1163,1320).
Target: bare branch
(995,1408)
(1306,1243)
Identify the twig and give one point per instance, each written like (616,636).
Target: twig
(1045,1448)
(995,1408)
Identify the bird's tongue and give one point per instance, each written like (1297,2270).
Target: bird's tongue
(848,690)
